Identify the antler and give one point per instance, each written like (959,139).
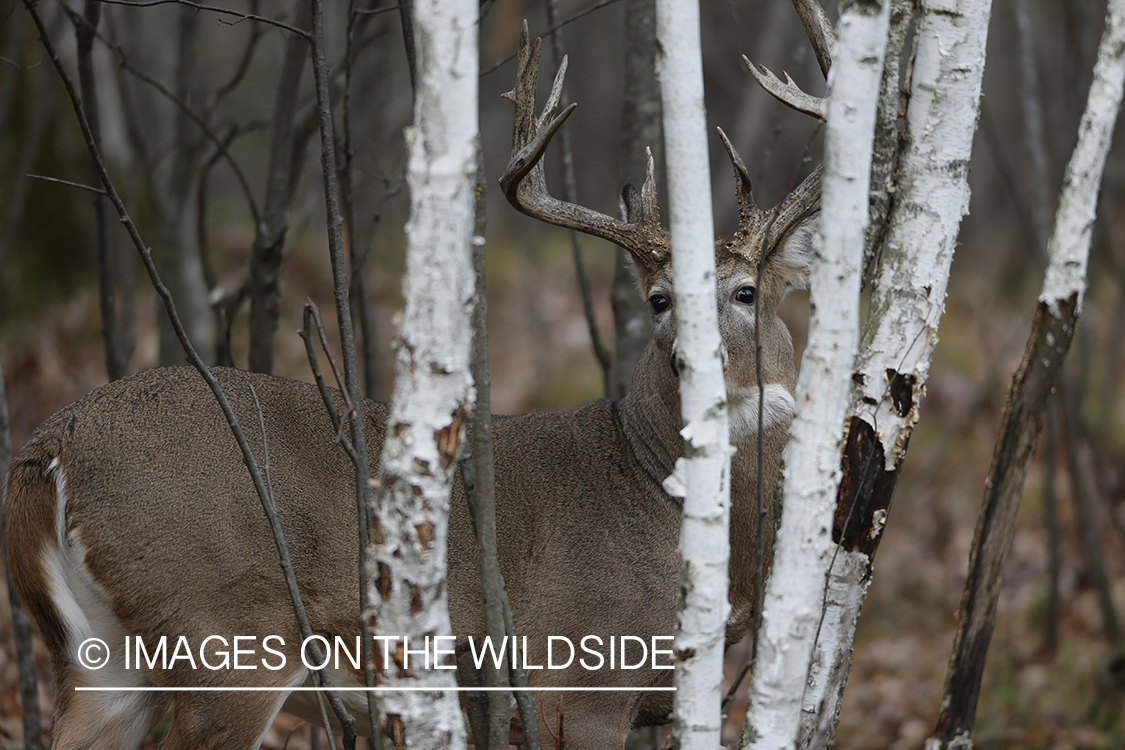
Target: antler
(758,229)
(524,184)
(788,93)
(818,28)
(753,222)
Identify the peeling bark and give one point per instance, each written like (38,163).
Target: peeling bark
(788,666)
(931,196)
(704,540)
(431,405)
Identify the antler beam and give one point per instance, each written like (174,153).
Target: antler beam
(525,186)
(753,221)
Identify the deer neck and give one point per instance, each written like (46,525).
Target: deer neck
(744,515)
(650,418)
(651,422)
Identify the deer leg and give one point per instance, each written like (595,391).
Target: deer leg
(221,721)
(104,721)
(575,724)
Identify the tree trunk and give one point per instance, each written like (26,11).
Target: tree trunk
(269,237)
(701,627)
(21,622)
(179,266)
(1060,303)
(788,662)
(431,403)
(115,360)
(899,335)
(640,130)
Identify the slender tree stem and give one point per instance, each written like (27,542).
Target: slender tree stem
(193,358)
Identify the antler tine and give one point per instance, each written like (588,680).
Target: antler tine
(753,220)
(525,186)
(748,211)
(799,202)
(556,88)
(650,209)
(529,136)
(788,93)
(818,28)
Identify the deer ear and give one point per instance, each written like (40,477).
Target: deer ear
(793,257)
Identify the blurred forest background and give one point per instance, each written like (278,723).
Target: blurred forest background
(1055,674)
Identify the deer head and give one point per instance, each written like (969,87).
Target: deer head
(767,258)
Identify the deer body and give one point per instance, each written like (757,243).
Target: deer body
(130,512)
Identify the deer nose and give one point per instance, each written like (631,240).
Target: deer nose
(675,365)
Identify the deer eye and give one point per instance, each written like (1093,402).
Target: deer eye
(659,303)
(745,295)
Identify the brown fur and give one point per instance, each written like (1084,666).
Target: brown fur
(175,536)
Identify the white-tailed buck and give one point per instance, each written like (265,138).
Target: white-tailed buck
(130,512)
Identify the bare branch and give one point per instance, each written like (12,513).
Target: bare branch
(223,11)
(181,105)
(343,313)
(551,30)
(240,69)
(68,183)
(189,350)
(17,65)
(312,315)
(375,11)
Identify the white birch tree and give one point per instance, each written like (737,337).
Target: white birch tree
(931,196)
(804,549)
(900,333)
(704,540)
(433,390)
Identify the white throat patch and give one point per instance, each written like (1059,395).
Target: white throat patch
(777,405)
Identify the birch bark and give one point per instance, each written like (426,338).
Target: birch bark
(433,389)
(787,664)
(931,197)
(704,541)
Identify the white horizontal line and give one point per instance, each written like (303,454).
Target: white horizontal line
(161,689)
